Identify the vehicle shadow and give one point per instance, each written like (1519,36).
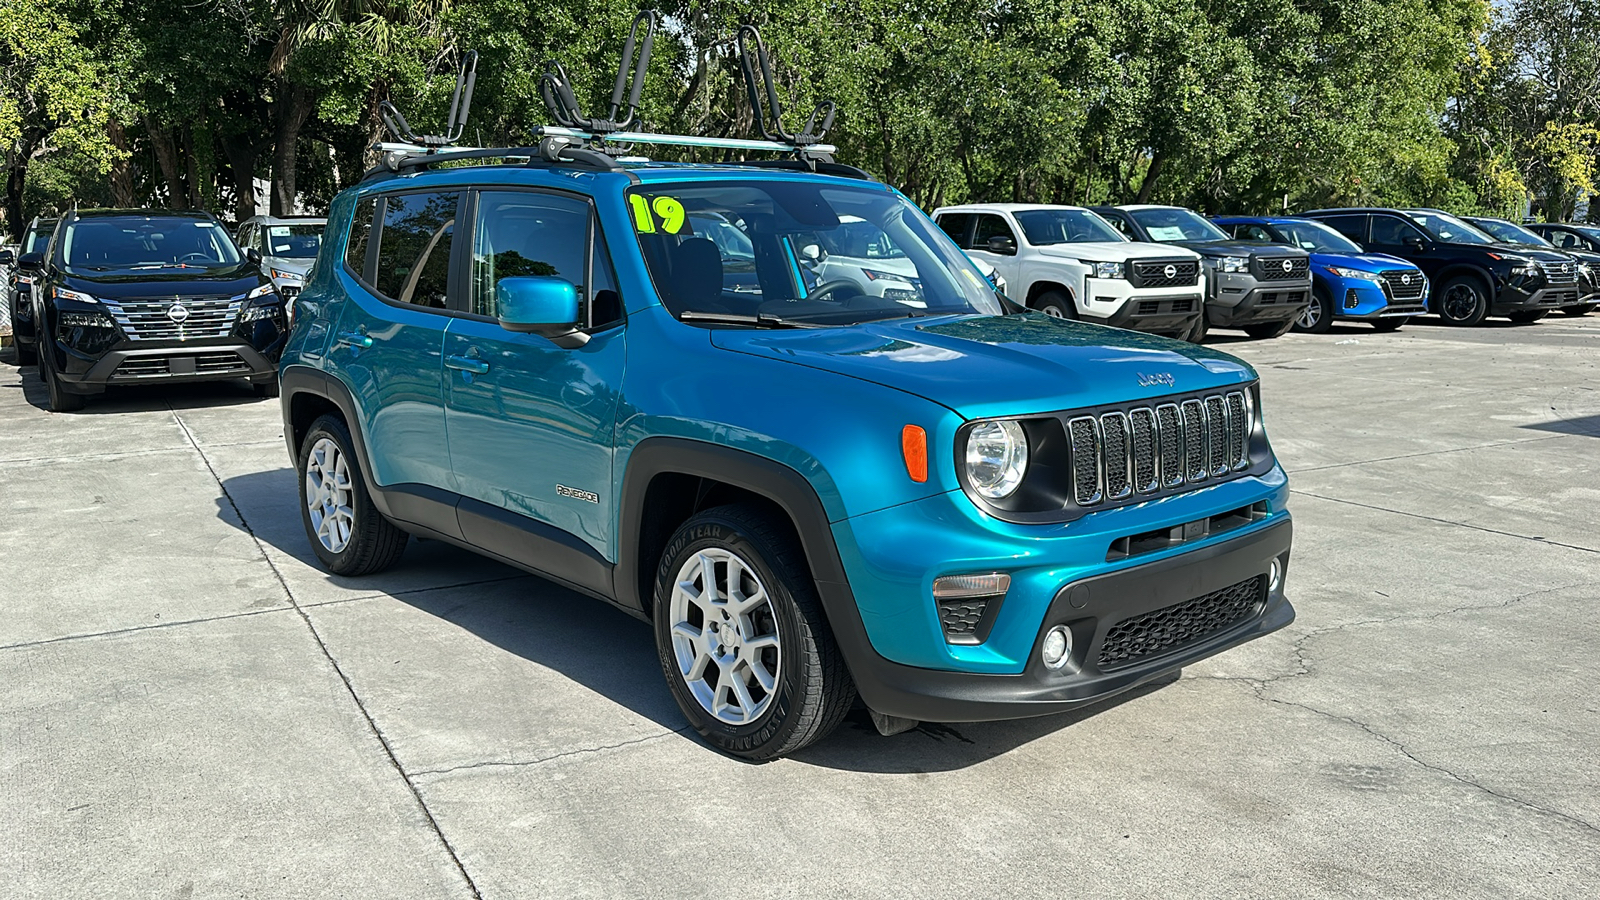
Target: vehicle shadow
(120,400)
(561,630)
(1585,426)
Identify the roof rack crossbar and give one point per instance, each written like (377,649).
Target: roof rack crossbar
(460,105)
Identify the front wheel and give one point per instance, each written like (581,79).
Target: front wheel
(742,638)
(1527,317)
(1386,325)
(61,400)
(1463,300)
(1582,309)
(348,533)
(1264,330)
(1317,317)
(1056,305)
(1197,332)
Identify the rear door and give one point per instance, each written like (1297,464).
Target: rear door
(530,423)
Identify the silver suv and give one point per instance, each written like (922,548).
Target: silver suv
(288,246)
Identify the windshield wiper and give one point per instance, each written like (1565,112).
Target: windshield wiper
(761,320)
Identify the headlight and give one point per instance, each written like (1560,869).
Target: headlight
(1233,264)
(879,275)
(997,458)
(1104,269)
(62,293)
(1354,273)
(262,291)
(281,275)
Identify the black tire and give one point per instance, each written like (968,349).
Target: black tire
(1197,332)
(374,543)
(61,400)
(1582,309)
(1268,330)
(1387,325)
(1056,305)
(1321,308)
(265,389)
(1463,300)
(27,354)
(812,690)
(1528,317)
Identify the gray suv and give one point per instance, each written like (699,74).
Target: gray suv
(1252,285)
(288,246)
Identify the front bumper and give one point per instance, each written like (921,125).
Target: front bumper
(1511,300)
(1242,299)
(1171,311)
(1362,300)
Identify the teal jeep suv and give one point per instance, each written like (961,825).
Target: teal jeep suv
(629,377)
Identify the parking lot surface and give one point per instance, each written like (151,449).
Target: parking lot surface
(190,707)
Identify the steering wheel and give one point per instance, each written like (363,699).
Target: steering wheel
(188,256)
(828,287)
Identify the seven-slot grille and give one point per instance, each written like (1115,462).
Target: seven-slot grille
(1561,273)
(1152,273)
(155,320)
(1404,285)
(1137,452)
(1272,268)
(1181,624)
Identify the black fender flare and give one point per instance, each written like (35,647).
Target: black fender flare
(297,380)
(1455,270)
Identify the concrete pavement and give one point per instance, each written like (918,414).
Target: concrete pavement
(190,707)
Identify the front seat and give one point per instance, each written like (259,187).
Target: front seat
(697,276)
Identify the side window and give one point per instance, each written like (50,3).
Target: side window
(1255,233)
(1120,224)
(1389,231)
(414,248)
(990,226)
(957,225)
(355,250)
(522,233)
(1352,227)
(244,236)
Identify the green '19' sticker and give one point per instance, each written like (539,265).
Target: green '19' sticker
(645,214)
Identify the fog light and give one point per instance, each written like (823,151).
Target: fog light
(1275,577)
(1057,647)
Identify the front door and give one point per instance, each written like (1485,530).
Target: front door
(531,423)
(1397,237)
(990,225)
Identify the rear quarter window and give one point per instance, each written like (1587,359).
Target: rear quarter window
(355,249)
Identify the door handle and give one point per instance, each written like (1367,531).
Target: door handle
(355,339)
(466,364)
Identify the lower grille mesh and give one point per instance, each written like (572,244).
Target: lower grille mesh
(1181,624)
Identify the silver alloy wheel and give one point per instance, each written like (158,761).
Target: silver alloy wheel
(328,495)
(1311,314)
(1052,311)
(725,636)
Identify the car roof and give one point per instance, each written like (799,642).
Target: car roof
(1269,220)
(1008,207)
(1131,207)
(287,220)
(635,172)
(144,214)
(1351,210)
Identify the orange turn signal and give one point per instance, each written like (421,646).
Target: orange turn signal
(914,447)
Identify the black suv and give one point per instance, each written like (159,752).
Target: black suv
(1254,285)
(140,296)
(1474,276)
(1588,260)
(19,287)
(1569,237)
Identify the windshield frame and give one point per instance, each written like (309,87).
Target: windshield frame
(787,221)
(234,258)
(1420,217)
(1216,233)
(1061,212)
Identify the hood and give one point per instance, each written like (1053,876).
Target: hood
(1112,251)
(1363,262)
(167,284)
(286,264)
(1240,248)
(1000,365)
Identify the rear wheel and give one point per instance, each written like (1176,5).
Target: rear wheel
(1393,324)
(742,638)
(1528,317)
(1269,329)
(61,400)
(1317,317)
(27,354)
(1056,305)
(1463,300)
(1582,309)
(348,533)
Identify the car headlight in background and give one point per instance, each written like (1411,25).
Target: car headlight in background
(1104,269)
(1342,272)
(281,275)
(62,293)
(1232,265)
(997,458)
(262,291)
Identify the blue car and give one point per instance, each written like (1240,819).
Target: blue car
(928,499)
(1347,283)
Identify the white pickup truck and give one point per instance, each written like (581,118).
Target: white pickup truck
(1066,261)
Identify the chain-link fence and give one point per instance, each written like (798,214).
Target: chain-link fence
(5,295)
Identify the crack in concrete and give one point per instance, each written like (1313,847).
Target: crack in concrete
(487,764)
(1381,459)
(135,629)
(1400,512)
(1259,686)
(372,724)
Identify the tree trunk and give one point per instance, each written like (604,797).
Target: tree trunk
(1148,186)
(289,116)
(121,168)
(241,155)
(167,158)
(193,196)
(16,177)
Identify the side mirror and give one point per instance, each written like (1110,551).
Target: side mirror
(253,255)
(33,262)
(1416,243)
(8,257)
(1002,245)
(812,252)
(540,304)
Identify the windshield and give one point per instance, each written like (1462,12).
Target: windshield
(1510,233)
(1448,228)
(1165,224)
(129,243)
(790,252)
(38,237)
(294,241)
(1315,236)
(1065,226)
